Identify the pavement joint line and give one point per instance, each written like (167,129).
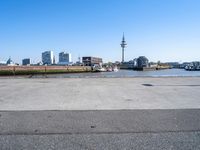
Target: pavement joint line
(192,85)
(95,110)
(100,133)
(81,77)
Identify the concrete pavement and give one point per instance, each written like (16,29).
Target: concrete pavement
(100,113)
(99,93)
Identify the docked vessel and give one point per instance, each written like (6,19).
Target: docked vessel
(101,70)
(115,69)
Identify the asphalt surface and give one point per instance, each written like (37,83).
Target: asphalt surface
(100,129)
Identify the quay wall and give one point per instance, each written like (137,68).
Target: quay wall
(20,70)
(144,68)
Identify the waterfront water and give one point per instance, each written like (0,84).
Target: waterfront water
(126,73)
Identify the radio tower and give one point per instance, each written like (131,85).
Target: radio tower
(123,45)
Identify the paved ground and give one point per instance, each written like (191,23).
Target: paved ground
(106,129)
(99,93)
(114,113)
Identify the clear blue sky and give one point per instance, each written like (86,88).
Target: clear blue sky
(165,30)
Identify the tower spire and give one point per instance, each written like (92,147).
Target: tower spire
(123,45)
(123,38)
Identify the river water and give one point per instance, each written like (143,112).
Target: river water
(126,73)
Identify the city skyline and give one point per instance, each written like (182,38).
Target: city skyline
(165,31)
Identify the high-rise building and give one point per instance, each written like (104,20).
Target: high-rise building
(10,62)
(54,59)
(65,58)
(26,61)
(47,57)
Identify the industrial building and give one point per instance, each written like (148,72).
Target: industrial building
(91,61)
(142,61)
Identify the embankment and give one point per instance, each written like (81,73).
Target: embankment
(29,70)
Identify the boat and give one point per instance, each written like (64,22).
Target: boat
(109,69)
(101,70)
(115,69)
(189,68)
